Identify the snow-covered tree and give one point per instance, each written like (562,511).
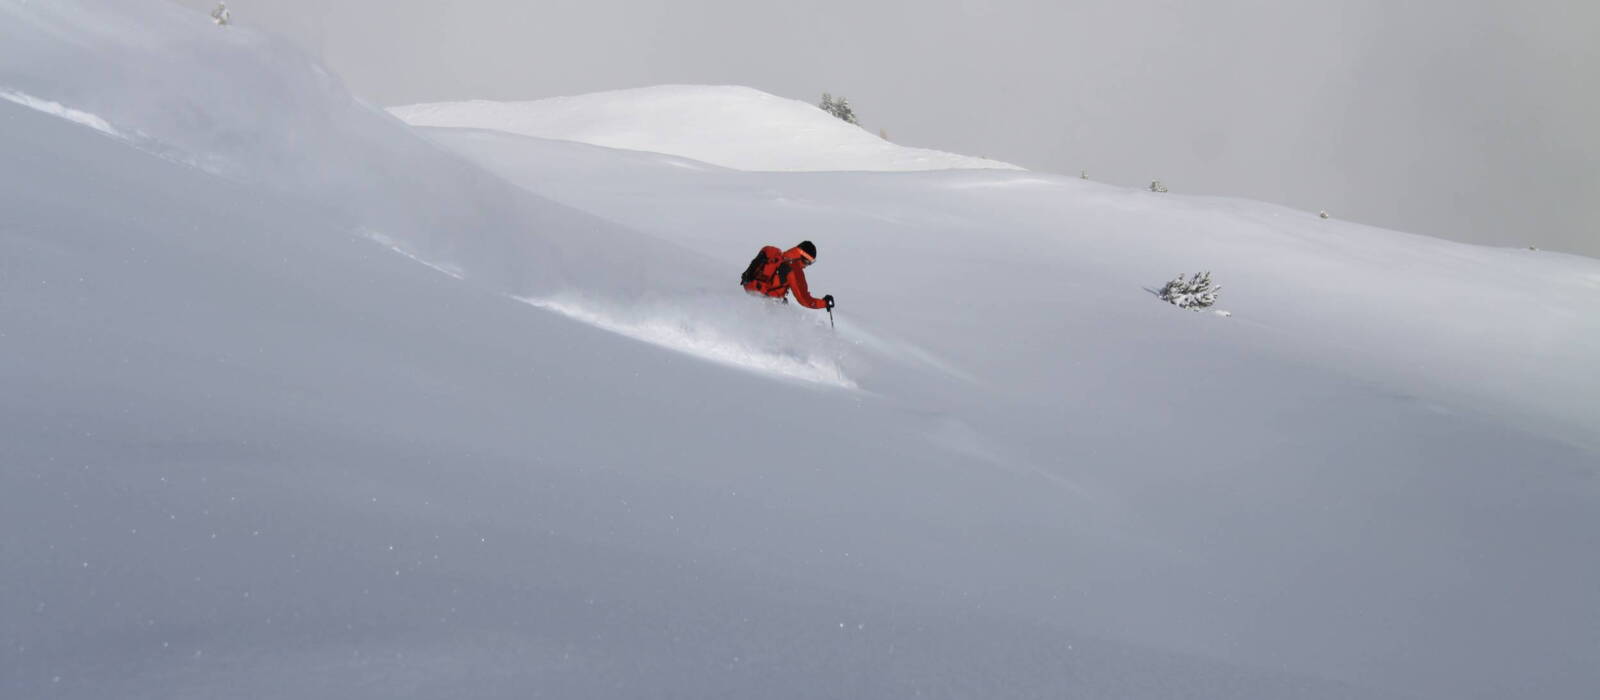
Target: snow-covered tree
(1194,293)
(839,107)
(1323,213)
(221,16)
(1156,186)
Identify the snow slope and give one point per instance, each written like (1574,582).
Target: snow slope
(368,412)
(730,126)
(1506,327)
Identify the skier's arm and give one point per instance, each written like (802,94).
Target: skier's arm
(802,293)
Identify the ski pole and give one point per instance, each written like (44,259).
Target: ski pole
(830,318)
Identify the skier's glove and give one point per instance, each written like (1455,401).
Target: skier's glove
(829,299)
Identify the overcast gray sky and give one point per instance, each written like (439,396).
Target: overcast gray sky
(1471,119)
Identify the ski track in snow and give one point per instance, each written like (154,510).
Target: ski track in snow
(687,334)
(692,336)
(393,245)
(57,109)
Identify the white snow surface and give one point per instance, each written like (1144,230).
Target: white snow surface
(57,109)
(730,126)
(798,351)
(299,401)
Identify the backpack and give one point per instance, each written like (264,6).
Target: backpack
(767,270)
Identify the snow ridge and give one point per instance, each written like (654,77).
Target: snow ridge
(731,126)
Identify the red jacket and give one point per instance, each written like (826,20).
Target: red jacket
(789,274)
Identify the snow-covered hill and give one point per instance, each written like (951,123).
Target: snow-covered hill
(730,126)
(299,401)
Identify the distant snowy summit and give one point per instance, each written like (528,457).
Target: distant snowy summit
(734,127)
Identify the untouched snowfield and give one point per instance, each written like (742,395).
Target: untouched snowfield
(730,126)
(301,401)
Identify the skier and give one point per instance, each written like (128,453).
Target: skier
(775,273)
